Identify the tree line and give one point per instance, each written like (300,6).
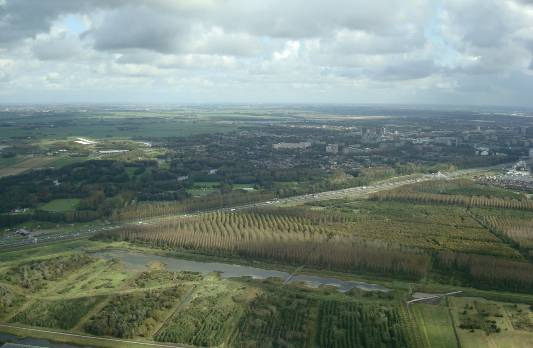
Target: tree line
(289,239)
(467,201)
(488,272)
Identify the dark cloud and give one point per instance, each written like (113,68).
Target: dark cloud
(139,27)
(394,71)
(20,19)
(164,28)
(526,2)
(348,42)
(60,47)
(479,23)
(407,70)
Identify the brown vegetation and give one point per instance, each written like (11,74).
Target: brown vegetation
(154,209)
(403,194)
(284,238)
(490,272)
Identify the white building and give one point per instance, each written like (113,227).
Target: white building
(301,145)
(332,148)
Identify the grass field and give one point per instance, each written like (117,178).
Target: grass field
(101,277)
(246,187)
(435,324)
(115,126)
(203,188)
(61,205)
(10,161)
(492,323)
(44,251)
(24,165)
(62,161)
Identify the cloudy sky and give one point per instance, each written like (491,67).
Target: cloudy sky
(349,51)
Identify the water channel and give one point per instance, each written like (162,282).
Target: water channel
(139,261)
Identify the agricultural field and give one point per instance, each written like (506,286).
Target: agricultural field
(277,318)
(9,299)
(209,317)
(36,275)
(516,226)
(134,314)
(463,192)
(99,277)
(112,125)
(68,287)
(423,226)
(435,325)
(363,325)
(58,314)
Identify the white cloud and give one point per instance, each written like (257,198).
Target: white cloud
(289,51)
(341,50)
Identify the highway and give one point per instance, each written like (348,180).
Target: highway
(352,192)
(355,192)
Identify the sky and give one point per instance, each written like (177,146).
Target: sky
(460,52)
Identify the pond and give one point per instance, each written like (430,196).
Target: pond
(139,262)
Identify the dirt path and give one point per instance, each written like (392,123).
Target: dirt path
(99,306)
(182,303)
(457,339)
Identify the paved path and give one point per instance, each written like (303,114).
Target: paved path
(433,297)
